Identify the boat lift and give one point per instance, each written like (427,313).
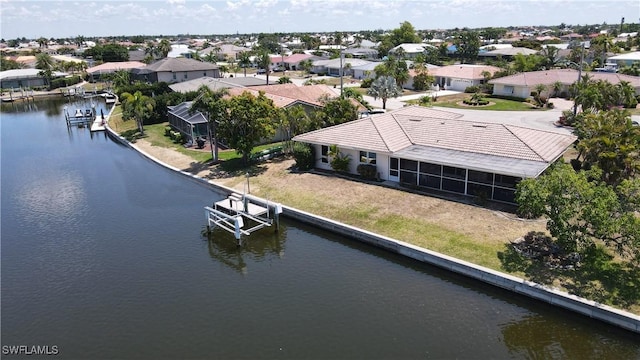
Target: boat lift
(238,210)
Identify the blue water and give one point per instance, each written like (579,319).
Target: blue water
(102,256)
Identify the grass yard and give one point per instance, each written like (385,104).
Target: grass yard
(455,102)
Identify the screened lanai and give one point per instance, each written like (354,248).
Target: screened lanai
(192,125)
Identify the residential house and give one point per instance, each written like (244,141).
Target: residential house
(521,85)
(191,124)
(332,67)
(361,53)
(25,78)
(292,62)
(228,51)
(410,50)
(172,70)
(412,73)
(96,72)
(459,77)
(282,95)
(627,59)
(507,53)
(365,71)
(180,50)
(215,84)
(435,150)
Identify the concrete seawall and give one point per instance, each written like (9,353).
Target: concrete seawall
(533,290)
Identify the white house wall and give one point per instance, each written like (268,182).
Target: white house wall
(181,76)
(508,90)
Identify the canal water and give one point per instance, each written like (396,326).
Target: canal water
(103,258)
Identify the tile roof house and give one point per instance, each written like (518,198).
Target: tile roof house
(410,50)
(172,70)
(459,77)
(110,67)
(332,67)
(627,59)
(25,78)
(436,150)
(507,52)
(215,84)
(287,95)
(282,95)
(520,85)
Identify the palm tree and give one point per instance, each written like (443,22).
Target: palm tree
(44,61)
(211,104)
(164,48)
(121,78)
(625,93)
(284,80)
(211,57)
(244,60)
(79,40)
(42,42)
(306,65)
(540,88)
(150,49)
(137,106)
(264,62)
(223,69)
(556,86)
(550,54)
(384,87)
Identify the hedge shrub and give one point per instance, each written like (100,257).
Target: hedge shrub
(304,156)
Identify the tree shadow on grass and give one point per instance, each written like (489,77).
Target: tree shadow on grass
(132,135)
(598,277)
(228,169)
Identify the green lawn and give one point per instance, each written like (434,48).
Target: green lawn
(155,135)
(495,104)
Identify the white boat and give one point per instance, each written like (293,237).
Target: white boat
(109,98)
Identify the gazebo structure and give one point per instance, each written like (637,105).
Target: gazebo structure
(192,125)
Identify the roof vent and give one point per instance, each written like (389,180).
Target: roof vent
(415,119)
(479,125)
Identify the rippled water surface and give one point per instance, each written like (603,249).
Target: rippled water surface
(102,256)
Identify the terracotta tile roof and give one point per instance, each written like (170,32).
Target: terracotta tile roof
(284,95)
(565,76)
(463,71)
(421,128)
(180,64)
(295,58)
(113,66)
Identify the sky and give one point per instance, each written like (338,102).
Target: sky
(68,18)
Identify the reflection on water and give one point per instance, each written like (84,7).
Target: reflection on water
(262,245)
(557,340)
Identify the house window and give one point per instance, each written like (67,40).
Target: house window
(481,177)
(204,74)
(325,154)
(408,165)
(393,167)
(428,168)
(185,75)
(508,89)
(367,157)
(506,181)
(174,76)
(454,172)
